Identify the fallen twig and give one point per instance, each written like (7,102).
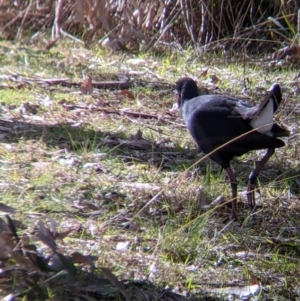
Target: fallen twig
(66,82)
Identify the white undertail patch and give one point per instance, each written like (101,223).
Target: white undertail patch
(264,121)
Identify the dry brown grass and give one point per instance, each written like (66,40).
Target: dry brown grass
(134,26)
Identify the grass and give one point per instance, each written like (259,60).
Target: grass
(81,167)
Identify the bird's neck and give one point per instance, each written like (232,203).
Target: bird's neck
(189,94)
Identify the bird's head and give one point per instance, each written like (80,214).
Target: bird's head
(186,89)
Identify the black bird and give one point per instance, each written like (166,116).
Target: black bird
(215,120)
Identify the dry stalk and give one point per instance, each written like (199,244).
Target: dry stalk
(138,25)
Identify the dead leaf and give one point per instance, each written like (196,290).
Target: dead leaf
(25,240)
(66,263)
(28,108)
(203,72)
(6,244)
(88,205)
(214,78)
(83,259)
(32,253)
(86,87)
(12,228)
(4,227)
(127,94)
(53,225)
(6,208)
(45,235)
(62,235)
(202,199)
(51,44)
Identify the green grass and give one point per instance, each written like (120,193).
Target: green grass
(79,161)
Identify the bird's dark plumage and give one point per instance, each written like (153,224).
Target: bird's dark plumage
(214,120)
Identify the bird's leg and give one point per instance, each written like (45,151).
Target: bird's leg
(252,181)
(233,184)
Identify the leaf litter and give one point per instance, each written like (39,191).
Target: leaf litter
(94,170)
